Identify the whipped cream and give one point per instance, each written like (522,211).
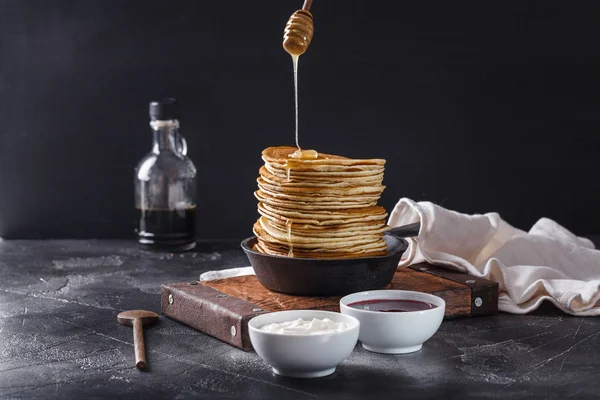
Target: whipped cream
(303,327)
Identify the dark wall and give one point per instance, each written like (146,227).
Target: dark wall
(478,106)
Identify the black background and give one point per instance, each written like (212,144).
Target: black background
(478,106)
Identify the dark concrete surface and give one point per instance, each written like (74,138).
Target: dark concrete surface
(59,338)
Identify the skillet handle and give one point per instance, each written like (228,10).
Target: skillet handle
(409,230)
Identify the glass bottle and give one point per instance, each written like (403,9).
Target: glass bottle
(165,185)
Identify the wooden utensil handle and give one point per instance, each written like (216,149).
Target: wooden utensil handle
(138,343)
(307,4)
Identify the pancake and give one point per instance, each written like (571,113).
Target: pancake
(315,169)
(362,215)
(282,153)
(296,171)
(318,251)
(309,242)
(341,197)
(283,181)
(302,205)
(331,231)
(320,191)
(346,180)
(319,255)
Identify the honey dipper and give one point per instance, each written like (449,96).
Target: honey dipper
(299,30)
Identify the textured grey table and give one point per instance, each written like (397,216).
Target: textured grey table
(59,338)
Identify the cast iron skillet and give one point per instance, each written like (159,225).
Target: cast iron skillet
(318,277)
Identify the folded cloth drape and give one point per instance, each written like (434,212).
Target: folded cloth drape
(546,263)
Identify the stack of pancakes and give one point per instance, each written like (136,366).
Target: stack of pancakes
(319,205)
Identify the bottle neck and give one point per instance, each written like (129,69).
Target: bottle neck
(165,134)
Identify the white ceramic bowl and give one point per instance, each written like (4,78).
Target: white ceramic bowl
(395,332)
(303,356)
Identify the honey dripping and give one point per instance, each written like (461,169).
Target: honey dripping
(288,224)
(297,36)
(295,61)
(299,154)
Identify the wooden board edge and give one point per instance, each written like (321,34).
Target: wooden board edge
(462,303)
(213,313)
(484,293)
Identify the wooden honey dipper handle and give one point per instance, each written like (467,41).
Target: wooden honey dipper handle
(299,30)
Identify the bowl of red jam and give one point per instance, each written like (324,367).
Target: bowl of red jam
(394,321)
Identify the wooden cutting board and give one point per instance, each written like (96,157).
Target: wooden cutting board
(223,307)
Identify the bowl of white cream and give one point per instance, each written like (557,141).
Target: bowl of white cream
(303,343)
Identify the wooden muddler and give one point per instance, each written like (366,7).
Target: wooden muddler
(138,319)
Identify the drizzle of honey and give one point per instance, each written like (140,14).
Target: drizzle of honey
(288,224)
(296,39)
(299,154)
(295,62)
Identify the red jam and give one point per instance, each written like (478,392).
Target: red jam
(383,305)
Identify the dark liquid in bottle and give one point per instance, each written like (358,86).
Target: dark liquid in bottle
(392,305)
(167,229)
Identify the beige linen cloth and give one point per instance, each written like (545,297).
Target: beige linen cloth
(546,263)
